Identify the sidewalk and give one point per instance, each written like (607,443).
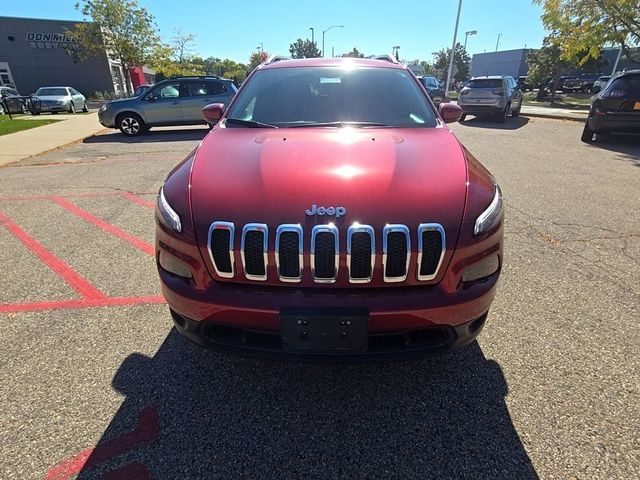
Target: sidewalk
(25,144)
(559,113)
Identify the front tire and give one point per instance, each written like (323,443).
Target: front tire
(85,109)
(516,112)
(131,124)
(588,135)
(72,108)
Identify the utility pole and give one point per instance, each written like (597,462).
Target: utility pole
(312,40)
(615,65)
(325,31)
(453,51)
(498,42)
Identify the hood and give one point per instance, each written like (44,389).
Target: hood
(378,176)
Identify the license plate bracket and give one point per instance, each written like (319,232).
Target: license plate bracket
(324,330)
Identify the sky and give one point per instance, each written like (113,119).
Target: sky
(227,29)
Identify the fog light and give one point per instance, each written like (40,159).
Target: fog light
(174,265)
(483,268)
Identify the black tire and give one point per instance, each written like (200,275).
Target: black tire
(588,135)
(516,112)
(85,109)
(463,117)
(131,124)
(72,108)
(54,113)
(502,117)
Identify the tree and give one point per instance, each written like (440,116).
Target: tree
(461,61)
(183,45)
(256,59)
(353,54)
(551,61)
(304,49)
(580,28)
(126,31)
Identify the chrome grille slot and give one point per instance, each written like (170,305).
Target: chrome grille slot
(396,246)
(253,251)
(289,258)
(361,253)
(220,246)
(431,250)
(325,253)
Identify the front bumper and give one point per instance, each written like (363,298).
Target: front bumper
(106,119)
(401,344)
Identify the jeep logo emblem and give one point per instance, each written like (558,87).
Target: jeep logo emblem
(331,211)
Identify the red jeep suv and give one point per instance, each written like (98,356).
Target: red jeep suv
(330,212)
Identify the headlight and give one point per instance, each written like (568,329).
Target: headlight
(168,216)
(60,102)
(103,108)
(490,216)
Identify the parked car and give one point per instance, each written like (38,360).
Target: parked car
(59,99)
(434,89)
(600,83)
(561,81)
(524,84)
(616,108)
(583,83)
(497,96)
(330,211)
(11,101)
(140,89)
(176,101)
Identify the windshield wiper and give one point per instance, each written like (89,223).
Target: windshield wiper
(248,123)
(338,124)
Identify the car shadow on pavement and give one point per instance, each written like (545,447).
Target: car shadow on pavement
(626,145)
(165,135)
(192,413)
(512,123)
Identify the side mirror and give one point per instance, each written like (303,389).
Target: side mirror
(450,112)
(212,113)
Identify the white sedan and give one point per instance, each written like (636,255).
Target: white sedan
(59,99)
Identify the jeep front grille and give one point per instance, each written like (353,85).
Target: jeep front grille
(324,252)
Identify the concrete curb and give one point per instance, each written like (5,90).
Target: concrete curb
(555,117)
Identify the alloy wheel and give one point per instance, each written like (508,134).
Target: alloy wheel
(130,125)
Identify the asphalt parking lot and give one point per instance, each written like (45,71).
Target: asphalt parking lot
(97,384)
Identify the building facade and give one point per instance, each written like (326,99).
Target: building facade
(34,53)
(506,62)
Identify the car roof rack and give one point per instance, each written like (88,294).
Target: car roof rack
(203,77)
(386,57)
(276,58)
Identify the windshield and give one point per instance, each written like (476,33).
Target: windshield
(44,92)
(332,96)
(485,83)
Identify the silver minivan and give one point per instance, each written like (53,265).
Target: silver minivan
(496,96)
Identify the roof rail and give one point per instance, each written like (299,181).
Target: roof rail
(276,58)
(196,76)
(386,57)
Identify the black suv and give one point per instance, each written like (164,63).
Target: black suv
(616,108)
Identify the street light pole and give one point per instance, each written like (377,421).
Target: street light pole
(312,40)
(453,51)
(325,31)
(466,35)
(396,52)
(498,41)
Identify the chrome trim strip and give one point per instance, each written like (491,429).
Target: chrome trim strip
(428,227)
(332,229)
(258,227)
(357,228)
(289,227)
(222,226)
(390,228)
